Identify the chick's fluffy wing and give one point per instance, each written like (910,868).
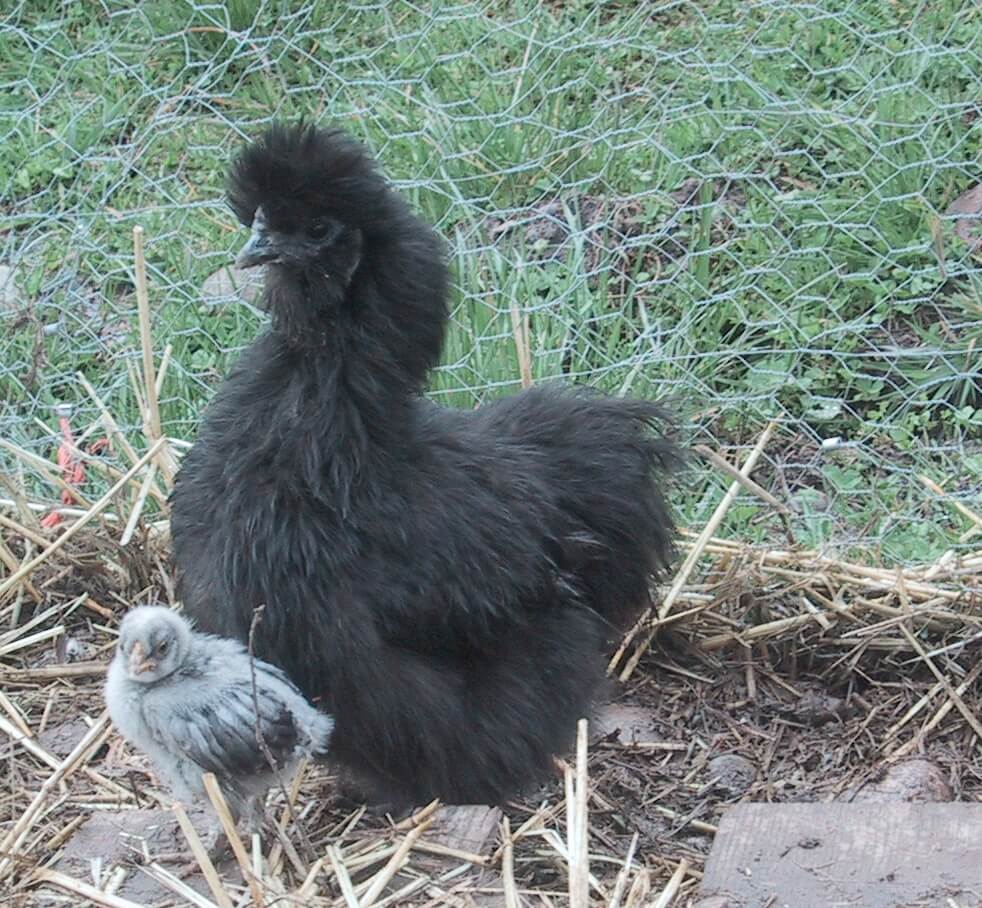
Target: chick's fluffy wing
(218,732)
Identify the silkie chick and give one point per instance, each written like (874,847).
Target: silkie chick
(189,701)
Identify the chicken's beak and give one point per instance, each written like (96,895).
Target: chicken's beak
(139,663)
(259,250)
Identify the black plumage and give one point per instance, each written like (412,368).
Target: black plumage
(444,581)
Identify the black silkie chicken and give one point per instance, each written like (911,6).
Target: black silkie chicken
(443,582)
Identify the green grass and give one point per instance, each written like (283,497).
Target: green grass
(811,278)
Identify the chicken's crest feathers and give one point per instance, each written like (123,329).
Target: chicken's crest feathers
(301,170)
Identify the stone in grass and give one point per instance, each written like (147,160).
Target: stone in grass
(732,774)
(111,838)
(967,211)
(10,295)
(232,285)
(913,780)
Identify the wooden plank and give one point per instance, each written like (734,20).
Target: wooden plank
(889,855)
(465,827)
(457,833)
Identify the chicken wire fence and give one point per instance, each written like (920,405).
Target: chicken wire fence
(764,210)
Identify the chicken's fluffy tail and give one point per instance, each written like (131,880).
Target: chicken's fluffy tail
(613,460)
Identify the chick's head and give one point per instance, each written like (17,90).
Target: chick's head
(153,643)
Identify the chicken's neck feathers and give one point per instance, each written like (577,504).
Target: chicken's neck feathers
(383,321)
(350,378)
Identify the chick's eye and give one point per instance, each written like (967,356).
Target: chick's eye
(162,647)
(317,230)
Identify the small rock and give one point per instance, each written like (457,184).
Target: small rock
(912,780)
(818,708)
(733,774)
(10,295)
(630,724)
(967,209)
(230,284)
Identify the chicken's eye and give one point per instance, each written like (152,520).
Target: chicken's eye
(162,647)
(319,229)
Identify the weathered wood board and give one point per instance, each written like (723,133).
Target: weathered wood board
(888,855)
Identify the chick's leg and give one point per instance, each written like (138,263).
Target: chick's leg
(217,848)
(255,815)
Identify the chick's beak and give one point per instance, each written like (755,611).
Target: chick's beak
(259,250)
(139,663)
